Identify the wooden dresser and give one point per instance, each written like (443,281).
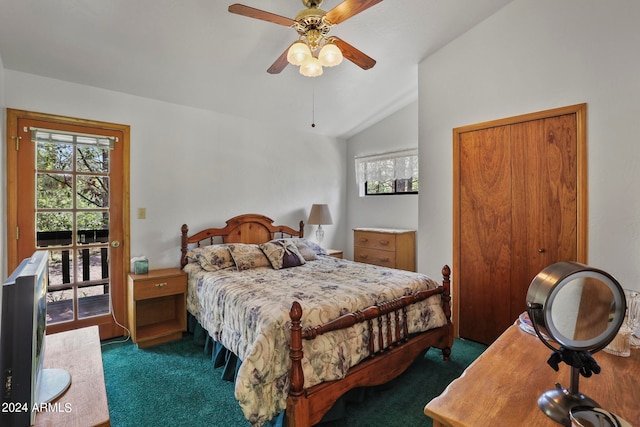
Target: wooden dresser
(386,247)
(502,386)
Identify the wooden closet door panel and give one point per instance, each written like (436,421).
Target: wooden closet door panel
(544,200)
(485,232)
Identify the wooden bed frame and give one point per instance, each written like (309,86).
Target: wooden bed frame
(398,349)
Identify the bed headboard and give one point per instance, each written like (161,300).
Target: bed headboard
(247,228)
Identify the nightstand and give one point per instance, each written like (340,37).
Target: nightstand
(334,253)
(157,306)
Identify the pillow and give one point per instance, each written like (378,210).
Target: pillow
(305,250)
(319,250)
(212,258)
(282,254)
(248,256)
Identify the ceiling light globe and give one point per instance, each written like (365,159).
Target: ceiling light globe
(330,55)
(298,53)
(311,68)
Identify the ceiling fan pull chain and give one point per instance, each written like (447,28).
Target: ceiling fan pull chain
(313,107)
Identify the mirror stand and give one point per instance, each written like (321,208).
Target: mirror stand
(557,403)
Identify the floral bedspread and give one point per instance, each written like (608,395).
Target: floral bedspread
(248,312)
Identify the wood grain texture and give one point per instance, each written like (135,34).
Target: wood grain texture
(78,352)
(519,205)
(389,248)
(503,385)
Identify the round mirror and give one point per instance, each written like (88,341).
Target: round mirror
(581,309)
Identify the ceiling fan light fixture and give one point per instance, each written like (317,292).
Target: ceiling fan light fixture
(298,53)
(330,55)
(311,67)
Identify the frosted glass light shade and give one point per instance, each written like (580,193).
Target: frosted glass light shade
(311,68)
(330,55)
(298,53)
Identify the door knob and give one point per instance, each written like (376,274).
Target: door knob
(115,244)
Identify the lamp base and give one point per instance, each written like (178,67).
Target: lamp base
(557,404)
(319,235)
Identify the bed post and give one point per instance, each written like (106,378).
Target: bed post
(446,296)
(183,243)
(297,412)
(446,307)
(301,229)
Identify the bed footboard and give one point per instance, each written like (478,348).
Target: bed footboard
(395,352)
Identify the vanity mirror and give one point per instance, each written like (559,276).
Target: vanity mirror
(579,309)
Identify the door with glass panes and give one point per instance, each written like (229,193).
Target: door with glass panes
(69,200)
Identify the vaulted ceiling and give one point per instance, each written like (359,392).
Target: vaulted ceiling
(196,53)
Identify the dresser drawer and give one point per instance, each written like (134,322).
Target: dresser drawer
(375,257)
(372,240)
(159,286)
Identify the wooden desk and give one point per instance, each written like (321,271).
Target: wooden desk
(85,401)
(503,385)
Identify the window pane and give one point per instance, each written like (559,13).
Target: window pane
(60,267)
(92,264)
(93,227)
(54,157)
(59,306)
(92,191)
(53,228)
(93,300)
(380,187)
(54,191)
(93,159)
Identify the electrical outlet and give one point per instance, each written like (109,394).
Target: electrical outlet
(142,213)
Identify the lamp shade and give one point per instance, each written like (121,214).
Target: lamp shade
(320,215)
(330,55)
(311,67)
(298,53)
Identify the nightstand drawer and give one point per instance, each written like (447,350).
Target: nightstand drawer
(382,241)
(375,256)
(158,287)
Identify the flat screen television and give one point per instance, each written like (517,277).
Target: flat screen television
(23,320)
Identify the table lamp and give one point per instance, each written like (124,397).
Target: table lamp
(320,216)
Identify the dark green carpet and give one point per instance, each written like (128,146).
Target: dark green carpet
(175,384)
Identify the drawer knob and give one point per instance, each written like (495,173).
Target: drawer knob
(384,260)
(363,256)
(161,285)
(363,240)
(384,242)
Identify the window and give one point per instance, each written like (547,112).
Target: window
(389,173)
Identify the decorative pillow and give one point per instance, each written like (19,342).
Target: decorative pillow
(319,250)
(282,254)
(212,258)
(248,256)
(305,250)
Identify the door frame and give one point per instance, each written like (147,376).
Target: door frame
(580,111)
(13,116)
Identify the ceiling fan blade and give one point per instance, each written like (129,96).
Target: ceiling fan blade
(354,55)
(251,12)
(280,63)
(349,8)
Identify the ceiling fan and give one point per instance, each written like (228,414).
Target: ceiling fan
(314,48)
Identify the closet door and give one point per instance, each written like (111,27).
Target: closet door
(544,202)
(485,231)
(519,206)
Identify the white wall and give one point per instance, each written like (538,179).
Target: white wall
(396,132)
(530,56)
(198,167)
